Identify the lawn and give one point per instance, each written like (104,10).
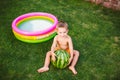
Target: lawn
(95,32)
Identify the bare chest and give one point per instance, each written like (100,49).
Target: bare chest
(62,41)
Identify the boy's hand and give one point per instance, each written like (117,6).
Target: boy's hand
(70,60)
(53,57)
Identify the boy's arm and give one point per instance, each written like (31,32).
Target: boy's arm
(54,44)
(71,48)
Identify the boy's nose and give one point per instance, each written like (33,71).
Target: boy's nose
(62,34)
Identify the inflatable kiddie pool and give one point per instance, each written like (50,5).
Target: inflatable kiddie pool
(34,27)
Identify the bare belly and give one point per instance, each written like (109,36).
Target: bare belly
(64,47)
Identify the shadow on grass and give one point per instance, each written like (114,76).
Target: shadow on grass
(117,74)
(6,74)
(6,70)
(5,5)
(3,72)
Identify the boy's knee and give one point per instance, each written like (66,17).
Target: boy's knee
(48,53)
(77,53)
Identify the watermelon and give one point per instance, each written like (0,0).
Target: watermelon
(62,59)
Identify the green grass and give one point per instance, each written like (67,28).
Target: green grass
(95,32)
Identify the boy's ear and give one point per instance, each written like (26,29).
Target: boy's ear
(56,31)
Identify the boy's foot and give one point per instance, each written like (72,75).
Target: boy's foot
(73,69)
(43,69)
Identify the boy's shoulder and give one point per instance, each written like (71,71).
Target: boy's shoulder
(69,37)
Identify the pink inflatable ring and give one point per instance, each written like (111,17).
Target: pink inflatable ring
(34,27)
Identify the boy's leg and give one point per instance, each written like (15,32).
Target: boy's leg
(46,64)
(74,61)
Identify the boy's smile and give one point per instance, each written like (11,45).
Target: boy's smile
(62,32)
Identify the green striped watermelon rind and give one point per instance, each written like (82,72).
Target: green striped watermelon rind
(62,59)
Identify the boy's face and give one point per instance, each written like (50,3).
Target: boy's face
(62,32)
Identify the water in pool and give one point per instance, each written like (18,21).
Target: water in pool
(35,25)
